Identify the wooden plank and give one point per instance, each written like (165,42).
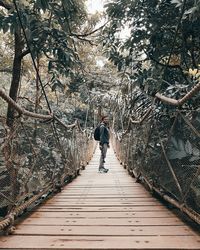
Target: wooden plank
(103,196)
(100,197)
(102,211)
(104,222)
(116,214)
(96,199)
(107,193)
(105,230)
(100,242)
(80,202)
(99,204)
(103,208)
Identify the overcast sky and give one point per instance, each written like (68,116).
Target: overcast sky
(95,5)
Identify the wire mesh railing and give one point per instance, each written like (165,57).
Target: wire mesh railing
(38,157)
(163,149)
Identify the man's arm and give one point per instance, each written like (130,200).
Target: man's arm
(101,134)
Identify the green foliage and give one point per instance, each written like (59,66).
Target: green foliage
(180,149)
(49,27)
(161,44)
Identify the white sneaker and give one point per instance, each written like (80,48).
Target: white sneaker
(103,170)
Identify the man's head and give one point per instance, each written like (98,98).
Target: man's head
(105,119)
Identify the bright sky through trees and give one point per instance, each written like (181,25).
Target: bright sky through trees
(95,5)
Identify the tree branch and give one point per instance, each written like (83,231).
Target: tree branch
(86,40)
(90,33)
(6,70)
(170,66)
(162,64)
(24,53)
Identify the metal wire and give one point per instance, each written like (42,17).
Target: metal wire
(34,63)
(164,150)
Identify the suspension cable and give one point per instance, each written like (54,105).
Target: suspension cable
(29,48)
(38,75)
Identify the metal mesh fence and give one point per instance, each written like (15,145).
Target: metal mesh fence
(35,155)
(165,150)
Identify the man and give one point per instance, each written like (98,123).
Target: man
(104,142)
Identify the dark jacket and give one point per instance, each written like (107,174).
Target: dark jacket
(104,134)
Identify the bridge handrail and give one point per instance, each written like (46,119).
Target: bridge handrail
(182,207)
(79,139)
(8,222)
(25,112)
(149,144)
(182,100)
(164,99)
(136,122)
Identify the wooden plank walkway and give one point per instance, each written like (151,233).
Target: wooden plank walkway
(102,211)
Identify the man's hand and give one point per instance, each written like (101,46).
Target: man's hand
(108,145)
(100,147)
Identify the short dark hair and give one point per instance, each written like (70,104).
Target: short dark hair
(103,117)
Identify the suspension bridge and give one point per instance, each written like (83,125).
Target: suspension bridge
(53,197)
(102,211)
(51,193)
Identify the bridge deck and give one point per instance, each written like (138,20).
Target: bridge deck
(102,211)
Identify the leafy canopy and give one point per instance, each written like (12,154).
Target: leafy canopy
(162,43)
(50,28)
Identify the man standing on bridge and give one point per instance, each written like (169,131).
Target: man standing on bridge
(104,142)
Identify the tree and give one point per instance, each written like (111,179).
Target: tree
(162,32)
(42,28)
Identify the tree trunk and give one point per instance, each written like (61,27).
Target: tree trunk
(16,73)
(37,99)
(99,113)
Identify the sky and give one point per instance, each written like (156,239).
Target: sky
(95,5)
(92,7)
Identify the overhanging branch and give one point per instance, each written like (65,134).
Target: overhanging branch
(25,52)
(90,33)
(181,101)
(49,117)
(6,70)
